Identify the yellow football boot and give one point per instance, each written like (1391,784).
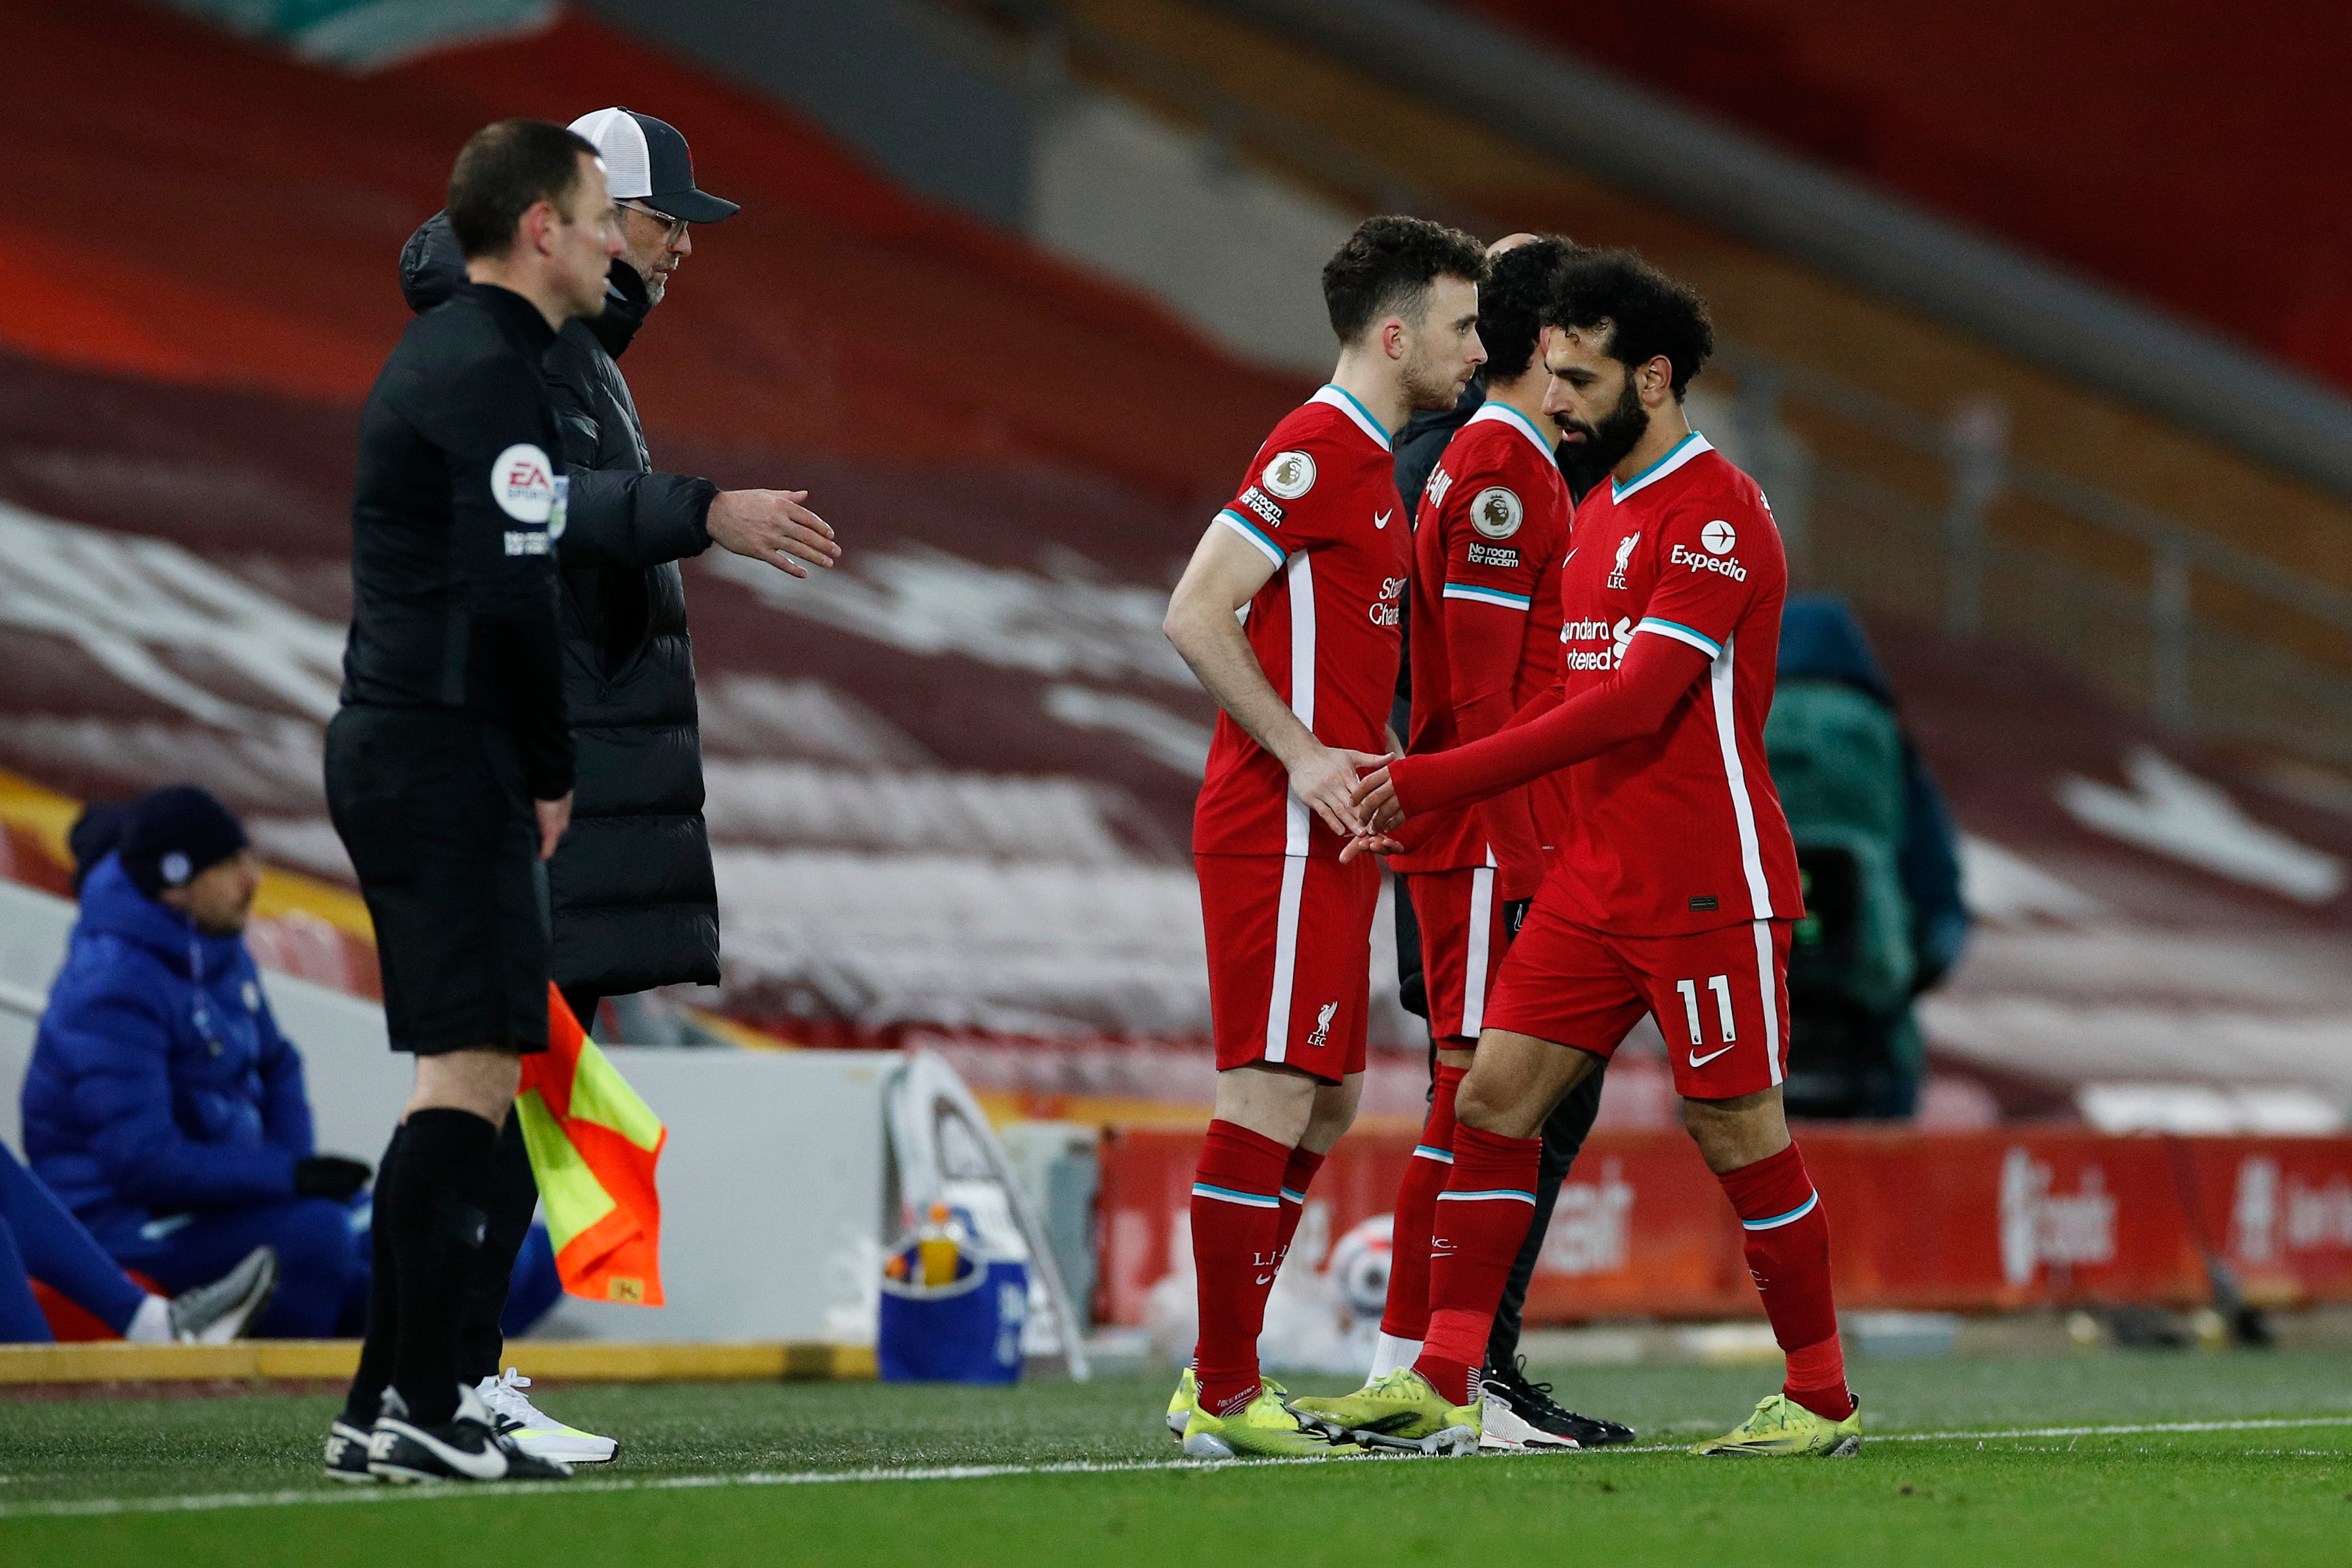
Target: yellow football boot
(1262,1430)
(1181,1403)
(1782,1428)
(1400,1410)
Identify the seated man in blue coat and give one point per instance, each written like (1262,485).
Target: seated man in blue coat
(161,1104)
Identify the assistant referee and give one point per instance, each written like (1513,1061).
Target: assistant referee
(449,765)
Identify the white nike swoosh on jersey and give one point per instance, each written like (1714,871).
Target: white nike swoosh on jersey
(1382,520)
(1698,1060)
(1266,1278)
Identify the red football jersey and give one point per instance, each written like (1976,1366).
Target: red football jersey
(1321,501)
(1680,831)
(1491,529)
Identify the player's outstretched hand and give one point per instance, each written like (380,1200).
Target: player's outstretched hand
(1325,778)
(772,526)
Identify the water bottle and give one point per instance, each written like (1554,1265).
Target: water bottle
(937,1255)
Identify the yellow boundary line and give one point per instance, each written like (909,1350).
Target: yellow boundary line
(48,816)
(579,1361)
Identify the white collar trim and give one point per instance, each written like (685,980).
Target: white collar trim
(1346,404)
(1503,413)
(1690,447)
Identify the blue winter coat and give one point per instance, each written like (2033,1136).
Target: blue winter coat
(159,1084)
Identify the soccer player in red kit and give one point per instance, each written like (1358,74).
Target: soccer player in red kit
(1676,886)
(1487,545)
(1288,613)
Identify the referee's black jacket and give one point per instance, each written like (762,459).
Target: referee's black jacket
(454,523)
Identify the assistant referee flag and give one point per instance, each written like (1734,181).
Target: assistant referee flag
(593,1145)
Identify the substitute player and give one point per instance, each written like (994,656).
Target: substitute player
(1487,544)
(1288,613)
(1419,447)
(1676,888)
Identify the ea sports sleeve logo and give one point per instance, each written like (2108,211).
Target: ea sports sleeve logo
(523,481)
(1290,475)
(1495,512)
(1719,537)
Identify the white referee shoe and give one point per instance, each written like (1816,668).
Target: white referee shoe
(533,1430)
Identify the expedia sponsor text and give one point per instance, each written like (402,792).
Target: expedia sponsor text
(1726,565)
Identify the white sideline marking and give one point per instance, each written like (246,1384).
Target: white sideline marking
(435,1491)
(2114,1431)
(205,1503)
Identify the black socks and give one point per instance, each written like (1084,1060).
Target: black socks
(514,1197)
(431,1215)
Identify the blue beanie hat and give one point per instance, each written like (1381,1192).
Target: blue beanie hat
(174,834)
(96,834)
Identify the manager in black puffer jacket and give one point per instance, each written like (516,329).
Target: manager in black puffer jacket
(633,900)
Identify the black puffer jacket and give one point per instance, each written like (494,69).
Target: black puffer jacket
(635,902)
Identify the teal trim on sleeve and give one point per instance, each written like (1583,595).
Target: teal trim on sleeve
(1496,596)
(1252,532)
(1681,633)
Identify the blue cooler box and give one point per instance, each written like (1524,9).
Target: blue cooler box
(968,1331)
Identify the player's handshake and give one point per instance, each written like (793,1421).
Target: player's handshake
(1328,778)
(1378,814)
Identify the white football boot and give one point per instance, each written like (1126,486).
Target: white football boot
(533,1430)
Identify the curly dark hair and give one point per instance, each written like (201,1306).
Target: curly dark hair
(1511,303)
(1647,313)
(1387,266)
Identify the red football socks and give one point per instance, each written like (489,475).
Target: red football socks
(1406,1314)
(1482,1217)
(1236,1247)
(1296,1177)
(1788,1245)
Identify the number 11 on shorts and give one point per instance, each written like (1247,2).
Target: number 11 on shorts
(1721,985)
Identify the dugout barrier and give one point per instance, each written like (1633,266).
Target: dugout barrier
(1972,1222)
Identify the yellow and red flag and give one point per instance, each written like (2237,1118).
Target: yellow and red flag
(593,1145)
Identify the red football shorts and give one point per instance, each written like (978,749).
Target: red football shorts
(1290,956)
(1463,935)
(1721,998)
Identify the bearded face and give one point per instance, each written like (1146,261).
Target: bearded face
(1444,350)
(1605,442)
(1429,384)
(1621,429)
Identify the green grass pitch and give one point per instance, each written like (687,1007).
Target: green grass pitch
(2255,1468)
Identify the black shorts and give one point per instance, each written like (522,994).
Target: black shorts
(431,805)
